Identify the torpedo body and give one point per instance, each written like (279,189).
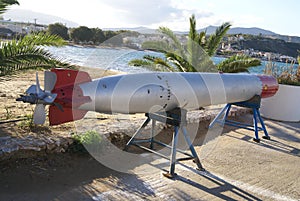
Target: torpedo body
(75,92)
(142,93)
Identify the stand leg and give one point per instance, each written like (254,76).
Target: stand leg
(227,112)
(266,136)
(171,173)
(191,147)
(179,123)
(226,108)
(152,133)
(137,132)
(256,139)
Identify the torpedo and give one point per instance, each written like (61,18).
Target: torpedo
(72,93)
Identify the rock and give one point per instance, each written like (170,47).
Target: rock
(5,138)
(69,141)
(48,140)
(10,148)
(50,147)
(41,144)
(32,148)
(59,150)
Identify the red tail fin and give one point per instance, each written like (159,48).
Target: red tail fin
(69,96)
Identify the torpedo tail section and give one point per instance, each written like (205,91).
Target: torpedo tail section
(69,96)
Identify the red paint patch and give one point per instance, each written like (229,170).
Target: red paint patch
(269,85)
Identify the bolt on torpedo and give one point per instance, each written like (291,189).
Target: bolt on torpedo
(71,93)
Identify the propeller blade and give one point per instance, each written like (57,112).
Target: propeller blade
(39,115)
(49,81)
(38,88)
(50,98)
(31,90)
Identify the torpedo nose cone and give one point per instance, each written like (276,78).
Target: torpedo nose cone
(269,86)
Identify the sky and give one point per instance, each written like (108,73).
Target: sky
(275,15)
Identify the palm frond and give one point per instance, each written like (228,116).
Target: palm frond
(202,39)
(177,46)
(238,63)
(139,63)
(215,39)
(159,63)
(181,64)
(5,3)
(193,32)
(42,39)
(192,45)
(158,46)
(25,53)
(168,32)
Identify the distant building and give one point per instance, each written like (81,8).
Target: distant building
(5,32)
(20,27)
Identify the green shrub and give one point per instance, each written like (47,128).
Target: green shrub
(27,123)
(8,113)
(90,141)
(288,75)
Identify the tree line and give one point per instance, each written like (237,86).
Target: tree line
(87,35)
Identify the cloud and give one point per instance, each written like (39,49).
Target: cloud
(142,12)
(152,12)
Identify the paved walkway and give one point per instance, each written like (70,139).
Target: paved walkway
(237,169)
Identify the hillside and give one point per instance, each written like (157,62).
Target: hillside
(211,29)
(22,15)
(240,30)
(293,39)
(269,45)
(255,32)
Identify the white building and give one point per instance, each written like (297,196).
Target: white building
(22,28)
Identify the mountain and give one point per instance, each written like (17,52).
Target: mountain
(209,30)
(235,30)
(250,31)
(240,30)
(22,15)
(141,30)
(255,31)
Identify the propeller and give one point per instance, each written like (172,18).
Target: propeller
(35,95)
(39,115)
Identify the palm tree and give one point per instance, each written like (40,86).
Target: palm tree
(192,57)
(5,3)
(28,52)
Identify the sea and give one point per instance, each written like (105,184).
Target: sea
(116,59)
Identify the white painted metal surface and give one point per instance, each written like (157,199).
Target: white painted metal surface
(142,93)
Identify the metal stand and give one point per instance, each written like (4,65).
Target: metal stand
(254,104)
(176,118)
